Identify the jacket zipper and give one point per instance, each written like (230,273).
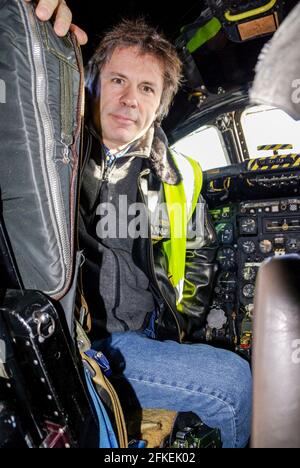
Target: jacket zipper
(67,110)
(143,173)
(106,171)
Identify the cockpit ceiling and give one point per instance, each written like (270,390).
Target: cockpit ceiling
(220,51)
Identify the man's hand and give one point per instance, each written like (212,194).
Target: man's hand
(63,18)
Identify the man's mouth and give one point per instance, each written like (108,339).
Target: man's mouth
(123,119)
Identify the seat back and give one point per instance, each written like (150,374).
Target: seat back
(282,92)
(276,354)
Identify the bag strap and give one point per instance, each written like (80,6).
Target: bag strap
(101,381)
(107,438)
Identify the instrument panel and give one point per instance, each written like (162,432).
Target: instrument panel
(248,232)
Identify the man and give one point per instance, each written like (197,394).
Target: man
(138,288)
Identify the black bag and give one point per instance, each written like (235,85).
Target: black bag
(9,274)
(40,123)
(43,376)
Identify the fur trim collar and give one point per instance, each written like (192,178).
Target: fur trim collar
(154,145)
(162,161)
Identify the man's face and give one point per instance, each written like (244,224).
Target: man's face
(131,87)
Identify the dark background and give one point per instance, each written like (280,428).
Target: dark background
(95,16)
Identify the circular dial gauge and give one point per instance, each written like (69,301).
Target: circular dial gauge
(248,291)
(225,233)
(227,281)
(216,319)
(226,258)
(248,247)
(249,273)
(248,226)
(293,245)
(265,246)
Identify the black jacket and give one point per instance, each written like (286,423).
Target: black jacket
(156,167)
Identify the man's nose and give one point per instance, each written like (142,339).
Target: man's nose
(129,97)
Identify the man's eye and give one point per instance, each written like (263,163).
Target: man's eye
(148,90)
(117,80)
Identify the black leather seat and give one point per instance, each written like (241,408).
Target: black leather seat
(276,360)
(276,345)
(278,70)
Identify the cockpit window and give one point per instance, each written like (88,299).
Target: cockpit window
(268,126)
(206,146)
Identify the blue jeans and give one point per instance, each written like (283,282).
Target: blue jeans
(212,382)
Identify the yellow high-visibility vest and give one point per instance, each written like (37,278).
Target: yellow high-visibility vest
(181,200)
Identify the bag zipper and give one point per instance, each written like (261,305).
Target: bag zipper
(51,178)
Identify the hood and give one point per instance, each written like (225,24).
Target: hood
(280,58)
(154,145)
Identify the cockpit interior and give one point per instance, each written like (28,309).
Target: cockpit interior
(248,148)
(249,152)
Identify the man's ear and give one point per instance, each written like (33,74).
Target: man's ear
(96,105)
(97,88)
(93,105)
